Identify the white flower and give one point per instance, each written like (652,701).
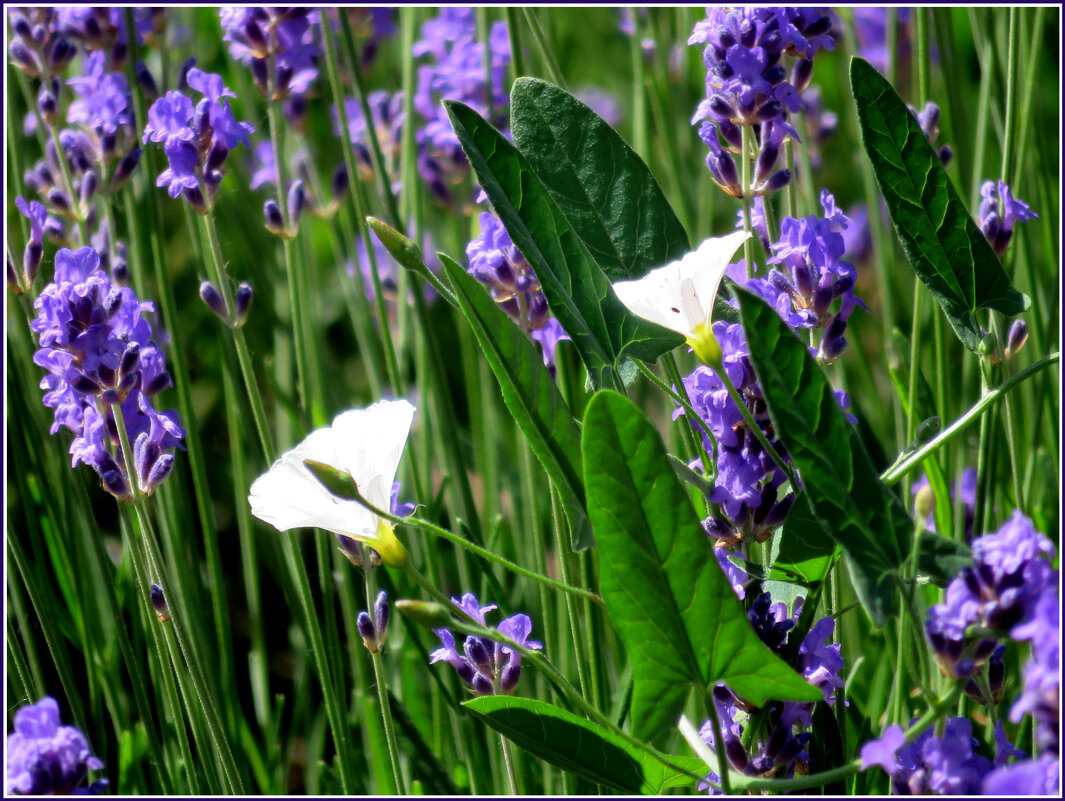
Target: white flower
(364,443)
(680,296)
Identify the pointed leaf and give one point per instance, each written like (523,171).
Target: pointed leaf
(942,241)
(577,291)
(941,559)
(579,746)
(843,489)
(530,394)
(600,185)
(805,547)
(666,595)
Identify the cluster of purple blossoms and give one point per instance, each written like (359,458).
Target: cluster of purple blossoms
(748,85)
(37,47)
(456,71)
(999,212)
(928,119)
(780,749)
(372,25)
(804,291)
(386,121)
(197,139)
(488,667)
(44,757)
(97,348)
(496,262)
(931,765)
(1010,574)
(812,277)
(276,43)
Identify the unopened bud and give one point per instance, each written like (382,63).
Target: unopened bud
(477,653)
(1016,337)
(89,183)
(509,680)
(195,198)
(338,184)
(242,303)
(146,81)
(382,613)
(275,223)
(125,168)
(429,614)
(707,348)
(159,603)
(296,202)
(367,632)
(31,261)
(210,295)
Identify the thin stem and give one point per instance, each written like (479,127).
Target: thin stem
(689,410)
(900,469)
(681,393)
(517,57)
(551,64)
(719,743)
(558,525)
(216,266)
(915,369)
(1011,90)
(386,717)
(455,539)
(745,187)
(508,760)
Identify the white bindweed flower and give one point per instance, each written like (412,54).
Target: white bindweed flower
(366,444)
(680,296)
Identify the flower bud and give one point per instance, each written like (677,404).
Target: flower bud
(482,685)
(120,272)
(429,614)
(707,348)
(509,680)
(58,199)
(338,184)
(216,156)
(47,105)
(924,503)
(31,261)
(159,603)
(125,168)
(89,183)
(195,198)
(477,653)
(296,202)
(146,81)
(242,303)
(367,632)
(158,472)
(382,612)
(210,295)
(1016,337)
(275,223)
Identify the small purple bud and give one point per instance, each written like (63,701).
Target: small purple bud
(296,202)
(58,199)
(130,359)
(945,154)
(367,632)
(210,295)
(160,469)
(800,74)
(31,261)
(381,612)
(22,57)
(259,73)
(195,198)
(338,185)
(482,685)
(736,753)
(242,302)
(85,385)
(778,181)
(125,168)
(21,26)
(89,184)
(767,160)
(120,272)
(275,223)
(159,603)
(216,156)
(284,77)
(62,53)
(157,384)
(147,82)
(509,679)
(477,653)
(47,105)
(183,74)
(114,481)
(1016,337)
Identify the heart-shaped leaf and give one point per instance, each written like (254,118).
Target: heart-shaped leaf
(843,489)
(667,597)
(947,249)
(581,747)
(577,291)
(530,394)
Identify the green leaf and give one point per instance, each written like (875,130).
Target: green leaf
(530,394)
(579,746)
(842,487)
(941,559)
(806,549)
(599,183)
(946,248)
(666,595)
(577,291)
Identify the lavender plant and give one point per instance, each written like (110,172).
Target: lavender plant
(765,493)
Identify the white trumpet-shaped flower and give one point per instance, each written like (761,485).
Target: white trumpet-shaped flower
(680,296)
(366,444)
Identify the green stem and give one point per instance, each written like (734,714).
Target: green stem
(517,57)
(1011,91)
(719,743)
(745,187)
(681,393)
(508,760)
(914,369)
(386,717)
(639,90)
(689,410)
(558,525)
(550,63)
(216,267)
(903,468)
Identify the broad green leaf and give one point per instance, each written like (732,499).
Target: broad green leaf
(600,185)
(666,595)
(579,746)
(940,559)
(805,547)
(530,394)
(843,489)
(943,243)
(577,291)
